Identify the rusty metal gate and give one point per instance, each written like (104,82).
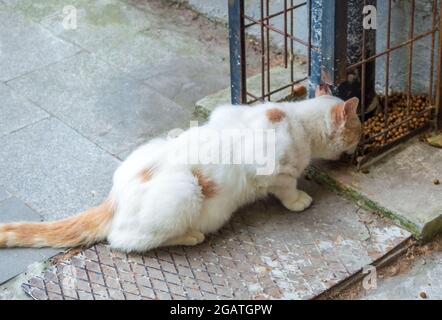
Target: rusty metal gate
(386,52)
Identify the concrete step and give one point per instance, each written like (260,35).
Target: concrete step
(403,186)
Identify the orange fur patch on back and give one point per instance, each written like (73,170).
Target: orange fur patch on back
(275,115)
(208,187)
(145,175)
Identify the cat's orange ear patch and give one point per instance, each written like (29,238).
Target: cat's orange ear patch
(275,115)
(342,111)
(208,187)
(351,106)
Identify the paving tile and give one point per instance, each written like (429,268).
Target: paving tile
(193,78)
(26,46)
(424,275)
(4,194)
(54,169)
(16,112)
(111,109)
(283,267)
(139,53)
(15,261)
(97,22)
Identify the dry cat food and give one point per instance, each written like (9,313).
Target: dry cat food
(397,115)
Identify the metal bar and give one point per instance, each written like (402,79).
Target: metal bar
(268,48)
(275,90)
(238,77)
(410,59)
(309,55)
(262,51)
(334,41)
(401,45)
(266,25)
(363,80)
(273,15)
(387,70)
(292,58)
(285,37)
(433,45)
(315,31)
(439,74)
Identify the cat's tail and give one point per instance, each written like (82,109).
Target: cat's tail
(88,227)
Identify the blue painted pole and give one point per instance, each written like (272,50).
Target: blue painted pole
(237,52)
(315,11)
(329,35)
(337,30)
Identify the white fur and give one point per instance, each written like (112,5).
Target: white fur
(171,209)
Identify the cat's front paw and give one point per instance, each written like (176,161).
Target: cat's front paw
(300,203)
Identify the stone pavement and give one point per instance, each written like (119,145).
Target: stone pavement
(422,281)
(76,102)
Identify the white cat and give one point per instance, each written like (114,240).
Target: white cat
(158,201)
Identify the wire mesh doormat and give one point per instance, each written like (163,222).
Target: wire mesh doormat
(264,253)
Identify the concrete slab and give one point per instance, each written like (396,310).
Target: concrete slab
(55,170)
(113,110)
(186,80)
(138,54)
(4,194)
(98,22)
(279,75)
(425,277)
(14,261)
(26,46)
(265,252)
(401,186)
(17,112)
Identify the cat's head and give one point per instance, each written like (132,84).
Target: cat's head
(343,128)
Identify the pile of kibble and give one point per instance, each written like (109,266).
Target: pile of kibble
(397,113)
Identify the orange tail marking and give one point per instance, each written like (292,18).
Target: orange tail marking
(85,228)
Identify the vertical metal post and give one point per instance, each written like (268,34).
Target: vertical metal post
(237,51)
(361,44)
(334,41)
(439,74)
(315,18)
(329,36)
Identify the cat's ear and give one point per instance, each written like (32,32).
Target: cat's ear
(342,111)
(351,107)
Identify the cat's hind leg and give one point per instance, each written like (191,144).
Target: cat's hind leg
(191,238)
(159,211)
